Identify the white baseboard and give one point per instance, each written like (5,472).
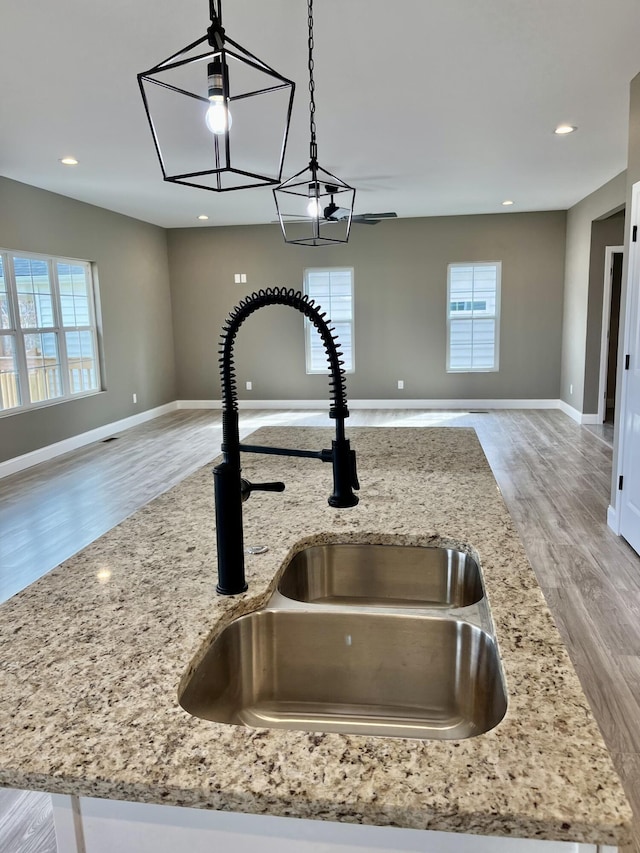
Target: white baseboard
(453,404)
(574,414)
(44,454)
(377,404)
(577,416)
(612,519)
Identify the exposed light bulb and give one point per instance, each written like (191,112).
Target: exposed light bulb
(314,208)
(218,115)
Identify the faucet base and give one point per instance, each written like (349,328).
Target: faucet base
(221,591)
(345,502)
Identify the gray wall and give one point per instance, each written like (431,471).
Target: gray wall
(400,307)
(604,232)
(131,258)
(580,217)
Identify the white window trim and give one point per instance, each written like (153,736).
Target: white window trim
(496,317)
(310,329)
(18,333)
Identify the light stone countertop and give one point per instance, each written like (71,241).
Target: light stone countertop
(92,655)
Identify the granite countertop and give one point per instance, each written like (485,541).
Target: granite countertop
(92,655)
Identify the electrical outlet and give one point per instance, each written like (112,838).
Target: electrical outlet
(249,386)
(135,398)
(400,384)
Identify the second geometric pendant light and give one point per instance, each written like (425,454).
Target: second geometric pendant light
(314,207)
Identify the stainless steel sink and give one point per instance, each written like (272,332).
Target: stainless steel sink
(397,675)
(392,575)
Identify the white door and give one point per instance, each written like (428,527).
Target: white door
(629,496)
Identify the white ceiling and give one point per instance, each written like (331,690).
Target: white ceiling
(428,107)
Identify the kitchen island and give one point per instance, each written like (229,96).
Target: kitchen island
(93,654)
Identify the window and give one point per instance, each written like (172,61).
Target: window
(473,317)
(332,290)
(48,340)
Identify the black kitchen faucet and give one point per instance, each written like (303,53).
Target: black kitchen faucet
(230,488)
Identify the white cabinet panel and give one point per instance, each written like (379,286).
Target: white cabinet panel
(103,826)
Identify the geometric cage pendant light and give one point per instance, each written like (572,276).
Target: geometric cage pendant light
(219,116)
(314,207)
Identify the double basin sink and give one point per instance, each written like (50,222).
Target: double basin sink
(388,640)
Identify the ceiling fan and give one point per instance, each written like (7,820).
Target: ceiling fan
(333,213)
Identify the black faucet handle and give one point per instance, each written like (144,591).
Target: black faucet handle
(246,488)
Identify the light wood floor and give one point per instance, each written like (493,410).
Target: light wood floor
(555,478)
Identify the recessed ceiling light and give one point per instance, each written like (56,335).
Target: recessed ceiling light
(563,129)
(203,216)
(69,161)
(507,203)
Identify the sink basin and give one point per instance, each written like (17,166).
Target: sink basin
(393,575)
(396,675)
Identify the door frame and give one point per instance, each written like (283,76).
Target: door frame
(624,342)
(609,252)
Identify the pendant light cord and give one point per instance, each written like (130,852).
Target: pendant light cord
(313,147)
(216,30)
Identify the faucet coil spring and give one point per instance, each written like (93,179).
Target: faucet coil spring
(301,302)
